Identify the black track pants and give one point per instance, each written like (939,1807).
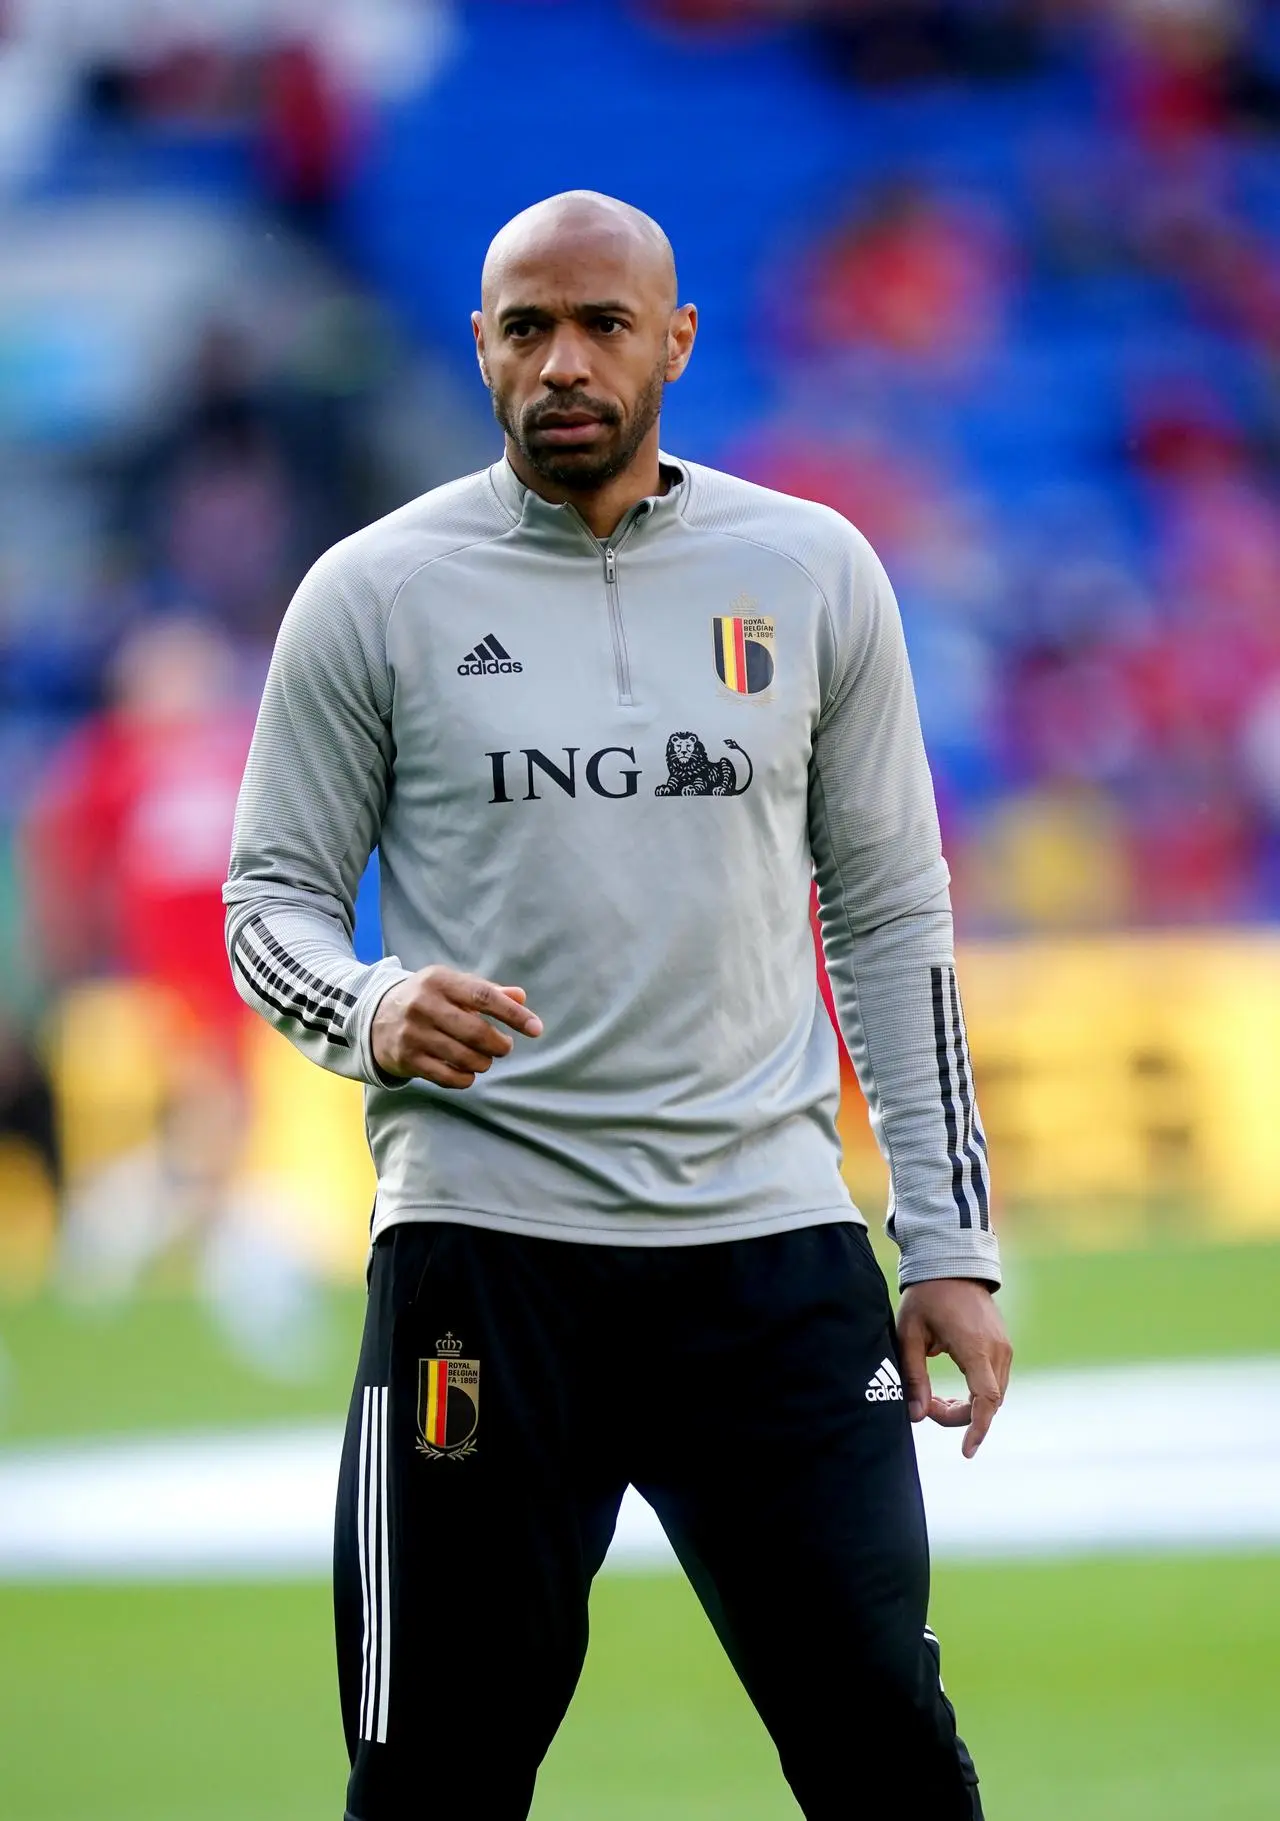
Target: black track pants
(508,1391)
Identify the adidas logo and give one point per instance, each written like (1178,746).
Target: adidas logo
(884,1385)
(488,660)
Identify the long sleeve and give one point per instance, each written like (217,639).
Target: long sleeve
(309,815)
(885,915)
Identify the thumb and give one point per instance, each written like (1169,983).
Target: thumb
(514,992)
(915,1370)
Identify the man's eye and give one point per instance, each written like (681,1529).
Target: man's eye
(607,325)
(519,331)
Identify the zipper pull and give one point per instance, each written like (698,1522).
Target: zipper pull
(610,565)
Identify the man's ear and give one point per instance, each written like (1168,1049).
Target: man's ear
(680,339)
(477,329)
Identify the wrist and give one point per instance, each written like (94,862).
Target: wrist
(376,1066)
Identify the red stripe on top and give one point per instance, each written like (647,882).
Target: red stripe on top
(740,653)
(442,1401)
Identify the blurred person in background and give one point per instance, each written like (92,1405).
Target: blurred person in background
(249,469)
(918,276)
(226,505)
(181,1208)
(126,847)
(126,837)
(306,135)
(654,1174)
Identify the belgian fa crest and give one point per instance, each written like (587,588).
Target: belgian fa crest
(448,1402)
(744,644)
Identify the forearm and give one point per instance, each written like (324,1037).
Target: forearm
(899,1009)
(886,927)
(292,960)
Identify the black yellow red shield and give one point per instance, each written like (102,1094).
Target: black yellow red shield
(744,652)
(448,1404)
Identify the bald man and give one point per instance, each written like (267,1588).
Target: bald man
(605,714)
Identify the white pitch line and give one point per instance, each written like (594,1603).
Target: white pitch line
(1183,1455)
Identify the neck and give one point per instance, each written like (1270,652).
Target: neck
(601,508)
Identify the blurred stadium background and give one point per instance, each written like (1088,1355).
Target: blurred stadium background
(1000,279)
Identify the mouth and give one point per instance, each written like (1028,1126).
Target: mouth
(572,429)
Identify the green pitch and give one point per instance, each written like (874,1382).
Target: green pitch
(1105,1691)
(1094,1691)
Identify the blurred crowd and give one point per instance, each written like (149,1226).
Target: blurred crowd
(152,530)
(1034,354)
(1039,368)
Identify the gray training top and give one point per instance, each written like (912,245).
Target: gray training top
(608,773)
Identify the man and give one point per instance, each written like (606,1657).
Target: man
(604,713)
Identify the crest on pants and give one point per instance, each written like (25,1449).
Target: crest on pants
(448,1402)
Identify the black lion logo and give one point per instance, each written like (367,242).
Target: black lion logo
(690,773)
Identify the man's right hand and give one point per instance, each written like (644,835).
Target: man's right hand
(437,1025)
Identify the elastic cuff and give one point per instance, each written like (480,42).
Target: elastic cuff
(388,973)
(925,1271)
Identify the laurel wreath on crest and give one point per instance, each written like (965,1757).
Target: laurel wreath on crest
(447,1454)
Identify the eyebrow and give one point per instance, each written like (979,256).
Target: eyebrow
(605,307)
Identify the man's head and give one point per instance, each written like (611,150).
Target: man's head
(578,334)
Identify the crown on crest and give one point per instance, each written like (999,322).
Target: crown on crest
(448,1348)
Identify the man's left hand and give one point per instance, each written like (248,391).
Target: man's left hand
(957,1316)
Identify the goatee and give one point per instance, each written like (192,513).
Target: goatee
(588,471)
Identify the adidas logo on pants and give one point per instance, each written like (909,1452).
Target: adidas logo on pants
(885,1386)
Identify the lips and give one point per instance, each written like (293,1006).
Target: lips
(577,428)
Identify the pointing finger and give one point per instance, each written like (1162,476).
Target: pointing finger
(984,1410)
(494,1002)
(986,1397)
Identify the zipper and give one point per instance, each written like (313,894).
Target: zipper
(613,598)
(621,660)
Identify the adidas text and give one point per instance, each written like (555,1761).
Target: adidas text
(489,659)
(884,1385)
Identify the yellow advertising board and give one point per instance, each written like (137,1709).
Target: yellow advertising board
(1129,1080)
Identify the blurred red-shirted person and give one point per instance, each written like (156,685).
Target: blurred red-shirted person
(914,274)
(128,835)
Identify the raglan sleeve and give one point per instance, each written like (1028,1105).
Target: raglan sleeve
(309,814)
(885,916)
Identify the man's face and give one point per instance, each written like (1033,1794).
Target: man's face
(575,343)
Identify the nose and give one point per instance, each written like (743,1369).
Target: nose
(566,364)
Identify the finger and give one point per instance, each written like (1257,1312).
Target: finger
(477,995)
(980,1377)
(984,1412)
(438,1046)
(950,1412)
(986,1397)
(442,1075)
(915,1370)
(468,1028)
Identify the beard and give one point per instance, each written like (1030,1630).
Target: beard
(585,470)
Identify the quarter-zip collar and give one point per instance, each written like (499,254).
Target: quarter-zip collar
(563,523)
